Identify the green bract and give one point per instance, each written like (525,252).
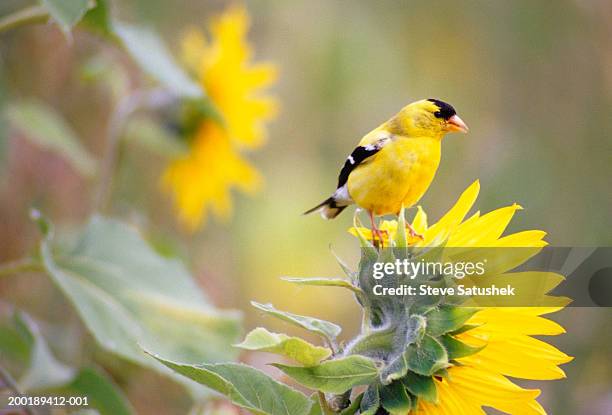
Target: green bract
(404,343)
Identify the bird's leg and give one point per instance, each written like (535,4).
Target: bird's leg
(375,231)
(413,233)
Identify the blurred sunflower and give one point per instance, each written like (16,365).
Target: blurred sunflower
(504,334)
(202,180)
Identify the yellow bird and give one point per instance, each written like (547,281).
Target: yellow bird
(394,164)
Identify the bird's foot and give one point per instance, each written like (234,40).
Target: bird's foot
(377,232)
(413,233)
(377,237)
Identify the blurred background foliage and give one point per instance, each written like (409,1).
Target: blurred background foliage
(532,79)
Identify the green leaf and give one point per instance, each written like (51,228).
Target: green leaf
(368,251)
(324,282)
(427,357)
(395,399)
(102,394)
(98,18)
(414,402)
(354,406)
(447,318)
(246,387)
(315,409)
(374,342)
(22,343)
(457,349)
(294,348)
(334,376)
(371,400)
(464,328)
(127,295)
(421,386)
(103,70)
(150,135)
(191,113)
(46,128)
(44,370)
(401,238)
(44,226)
(150,53)
(345,268)
(67,13)
(323,328)
(14,347)
(396,369)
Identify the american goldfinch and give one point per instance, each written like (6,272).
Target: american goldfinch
(394,164)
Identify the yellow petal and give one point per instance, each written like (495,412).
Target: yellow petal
(419,223)
(504,321)
(440,231)
(450,402)
(532,238)
(193,48)
(532,288)
(260,75)
(365,232)
(232,81)
(535,311)
(485,230)
(202,180)
(494,390)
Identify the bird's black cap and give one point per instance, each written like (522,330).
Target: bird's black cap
(445,110)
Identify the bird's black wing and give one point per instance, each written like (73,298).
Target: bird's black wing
(357,157)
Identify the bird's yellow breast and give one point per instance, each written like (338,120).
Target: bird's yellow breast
(399,174)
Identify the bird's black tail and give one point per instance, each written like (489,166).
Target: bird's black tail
(329,208)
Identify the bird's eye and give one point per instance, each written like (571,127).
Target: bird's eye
(444,111)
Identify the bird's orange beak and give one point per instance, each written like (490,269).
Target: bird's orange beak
(456,124)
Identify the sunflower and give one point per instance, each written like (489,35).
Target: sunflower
(202,180)
(503,336)
(233,84)
(212,168)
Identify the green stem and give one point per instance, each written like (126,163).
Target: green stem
(19,266)
(337,403)
(11,385)
(124,109)
(324,406)
(28,15)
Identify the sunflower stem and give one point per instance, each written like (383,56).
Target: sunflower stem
(324,405)
(339,402)
(28,15)
(10,384)
(19,266)
(125,108)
